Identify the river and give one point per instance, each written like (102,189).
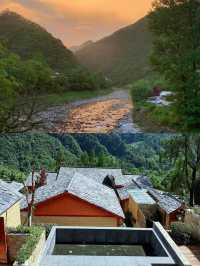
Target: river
(102,114)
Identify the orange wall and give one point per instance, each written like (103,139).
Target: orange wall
(69,205)
(3,244)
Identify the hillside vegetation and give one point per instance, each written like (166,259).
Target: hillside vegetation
(160,156)
(29,40)
(34,68)
(123,56)
(136,152)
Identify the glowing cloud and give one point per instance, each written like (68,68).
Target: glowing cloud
(76,21)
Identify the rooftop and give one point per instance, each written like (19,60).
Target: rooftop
(8,196)
(82,187)
(141,196)
(165,200)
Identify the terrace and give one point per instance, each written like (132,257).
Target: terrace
(111,246)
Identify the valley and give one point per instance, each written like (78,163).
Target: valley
(107,113)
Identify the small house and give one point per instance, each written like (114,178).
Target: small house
(75,200)
(170,207)
(9,214)
(10,204)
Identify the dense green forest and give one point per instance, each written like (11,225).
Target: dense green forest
(171,161)
(136,153)
(175,55)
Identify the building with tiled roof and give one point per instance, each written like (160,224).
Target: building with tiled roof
(76,200)
(167,205)
(170,207)
(9,204)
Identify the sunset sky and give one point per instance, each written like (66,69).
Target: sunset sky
(76,21)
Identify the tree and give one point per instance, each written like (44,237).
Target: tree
(184,152)
(60,159)
(20,84)
(30,197)
(175,25)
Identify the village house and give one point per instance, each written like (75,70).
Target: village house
(151,205)
(170,207)
(91,196)
(10,204)
(75,199)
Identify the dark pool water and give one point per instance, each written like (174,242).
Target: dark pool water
(99,250)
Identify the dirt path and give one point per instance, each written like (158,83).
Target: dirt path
(103,114)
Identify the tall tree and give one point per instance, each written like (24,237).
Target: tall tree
(176,54)
(184,153)
(20,84)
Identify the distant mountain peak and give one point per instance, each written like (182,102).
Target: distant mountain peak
(76,48)
(123,56)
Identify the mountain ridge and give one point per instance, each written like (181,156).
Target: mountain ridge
(121,56)
(28,39)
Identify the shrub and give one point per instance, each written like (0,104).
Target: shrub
(19,230)
(185,233)
(197,211)
(141,90)
(33,238)
(144,88)
(48,228)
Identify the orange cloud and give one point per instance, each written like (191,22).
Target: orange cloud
(76,21)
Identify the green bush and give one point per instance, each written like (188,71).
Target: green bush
(48,228)
(140,90)
(185,233)
(144,88)
(19,230)
(197,211)
(33,238)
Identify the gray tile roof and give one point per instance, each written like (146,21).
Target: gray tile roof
(123,192)
(97,174)
(95,193)
(141,196)
(142,181)
(8,196)
(165,200)
(83,187)
(48,191)
(16,185)
(132,182)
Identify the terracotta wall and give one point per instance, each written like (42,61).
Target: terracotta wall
(3,243)
(67,209)
(69,205)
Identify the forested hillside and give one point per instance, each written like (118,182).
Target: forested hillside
(37,71)
(162,157)
(29,40)
(134,153)
(123,56)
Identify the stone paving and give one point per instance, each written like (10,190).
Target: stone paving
(192,253)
